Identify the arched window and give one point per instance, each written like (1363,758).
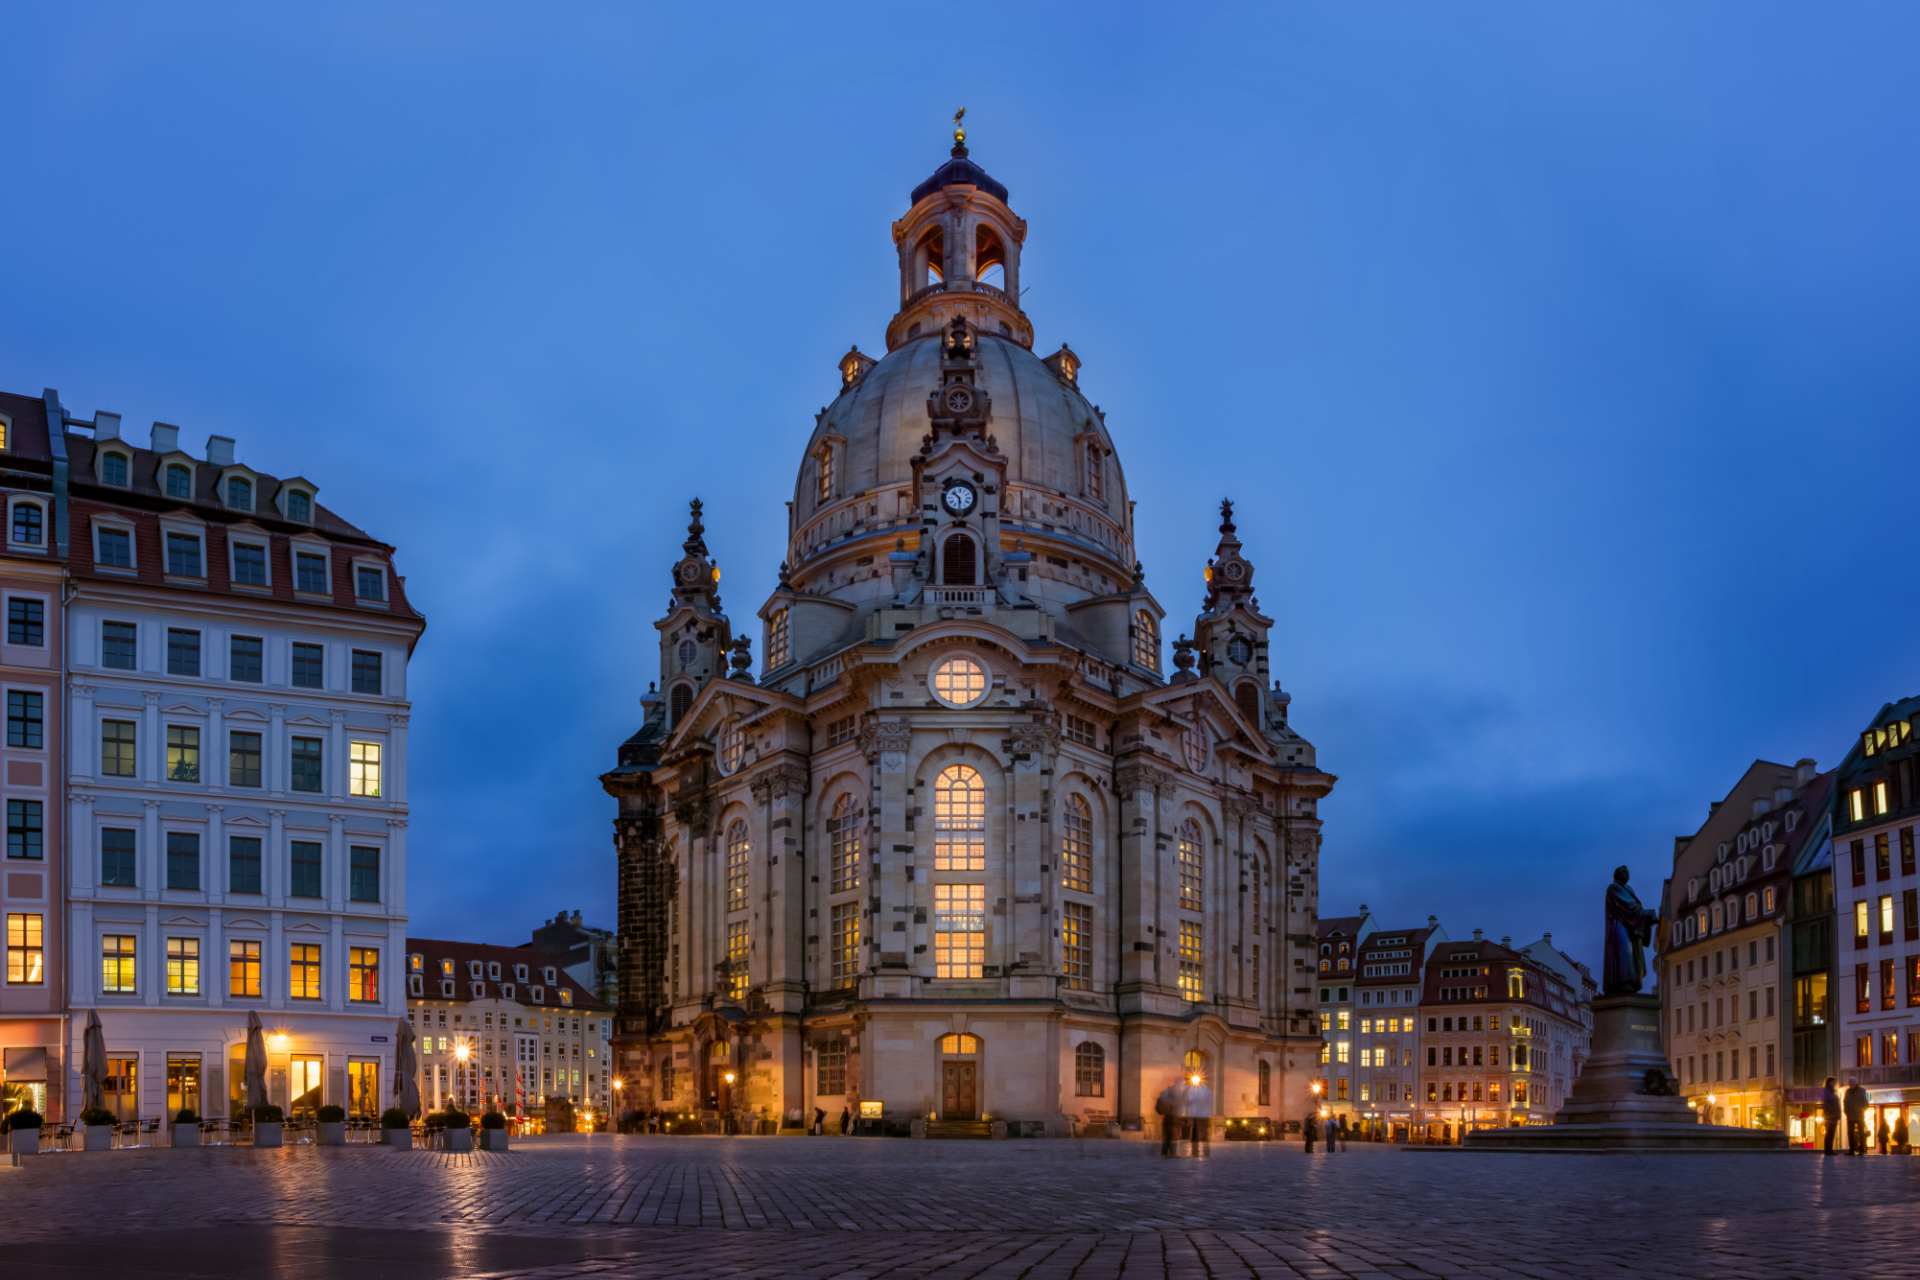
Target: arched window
(824,468)
(179,482)
(1199,1067)
(1076,845)
(733,748)
(1191,868)
(113,468)
(843,834)
(1089,1070)
(779,640)
(1146,641)
(960,1043)
(678,703)
(957,561)
(1248,697)
(959,930)
(299,506)
(959,681)
(1193,743)
(240,493)
(27,523)
(738,848)
(1092,483)
(1266,1084)
(959,820)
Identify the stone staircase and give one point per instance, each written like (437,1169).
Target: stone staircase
(959,1128)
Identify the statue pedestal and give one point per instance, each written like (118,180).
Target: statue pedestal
(1609,1107)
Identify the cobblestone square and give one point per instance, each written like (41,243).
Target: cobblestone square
(608,1206)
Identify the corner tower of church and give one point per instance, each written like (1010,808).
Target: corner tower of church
(963,853)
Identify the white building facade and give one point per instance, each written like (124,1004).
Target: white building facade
(237,782)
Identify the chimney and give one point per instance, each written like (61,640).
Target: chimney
(106,426)
(1547,938)
(1433,922)
(1363,908)
(220,451)
(576,919)
(1507,942)
(1803,771)
(1476,935)
(166,439)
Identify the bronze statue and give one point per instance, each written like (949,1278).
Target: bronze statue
(1629,932)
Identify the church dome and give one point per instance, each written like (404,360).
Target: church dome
(1063,480)
(957,172)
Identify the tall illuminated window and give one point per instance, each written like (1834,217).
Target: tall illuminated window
(26,949)
(1879,797)
(779,640)
(1146,640)
(1192,883)
(116,962)
(959,820)
(1076,945)
(243,968)
(1076,845)
(843,834)
(737,850)
(303,971)
(1093,476)
(183,966)
(737,959)
(844,942)
(363,768)
(959,930)
(825,470)
(1192,956)
(363,974)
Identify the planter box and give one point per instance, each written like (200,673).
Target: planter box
(333,1133)
(399,1139)
(494,1139)
(24,1142)
(185,1135)
(458,1139)
(266,1133)
(97,1137)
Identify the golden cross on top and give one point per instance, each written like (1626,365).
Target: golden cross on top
(959,130)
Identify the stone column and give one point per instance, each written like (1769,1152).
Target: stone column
(212,972)
(151,863)
(214,756)
(153,769)
(214,880)
(336,765)
(333,877)
(394,785)
(393,875)
(886,744)
(273,859)
(275,754)
(83,736)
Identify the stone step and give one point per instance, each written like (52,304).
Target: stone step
(959,1128)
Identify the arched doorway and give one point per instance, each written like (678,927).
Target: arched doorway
(960,1077)
(720,1077)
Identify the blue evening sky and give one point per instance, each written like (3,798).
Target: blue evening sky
(1562,359)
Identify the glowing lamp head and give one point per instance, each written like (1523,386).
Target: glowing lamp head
(1193,1079)
(729,1077)
(618,1083)
(278,1040)
(461,1051)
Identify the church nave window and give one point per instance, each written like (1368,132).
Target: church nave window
(843,834)
(1192,879)
(845,947)
(1089,1070)
(737,959)
(738,847)
(1192,956)
(959,930)
(1248,698)
(733,747)
(1076,846)
(959,820)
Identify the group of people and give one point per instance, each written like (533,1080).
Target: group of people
(1339,1131)
(1185,1108)
(1852,1108)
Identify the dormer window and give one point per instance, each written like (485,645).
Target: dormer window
(566,996)
(549,974)
(240,493)
(479,990)
(28,523)
(113,469)
(493,970)
(416,962)
(539,994)
(520,972)
(446,988)
(370,583)
(179,481)
(473,968)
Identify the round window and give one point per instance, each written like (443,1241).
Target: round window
(688,652)
(733,745)
(1239,651)
(1194,742)
(959,682)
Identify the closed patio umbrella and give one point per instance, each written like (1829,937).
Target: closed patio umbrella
(406,1070)
(93,1059)
(256,1062)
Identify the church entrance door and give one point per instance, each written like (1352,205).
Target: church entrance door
(959,1099)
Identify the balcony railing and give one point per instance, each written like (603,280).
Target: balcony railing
(959,286)
(958,595)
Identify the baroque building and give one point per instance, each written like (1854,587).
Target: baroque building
(964,851)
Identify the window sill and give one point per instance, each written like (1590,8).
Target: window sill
(117,570)
(371,604)
(181,580)
(251,588)
(314,597)
(26,549)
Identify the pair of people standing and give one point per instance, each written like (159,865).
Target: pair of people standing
(1853,1108)
(1185,1108)
(1337,1131)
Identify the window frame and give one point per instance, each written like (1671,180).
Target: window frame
(358,749)
(305,546)
(259,754)
(170,853)
(175,527)
(379,672)
(132,854)
(239,537)
(951,660)
(42,525)
(99,525)
(35,725)
(100,457)
(283,504)
(31,949)
(163,475)
(355,871)
(363,564)
(131,744)
(26,598)
(246,475)
(258,858)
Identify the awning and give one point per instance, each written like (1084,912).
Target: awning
(26,1066)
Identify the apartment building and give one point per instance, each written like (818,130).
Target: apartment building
(1391,970)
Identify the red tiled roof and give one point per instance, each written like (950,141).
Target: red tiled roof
(464,954)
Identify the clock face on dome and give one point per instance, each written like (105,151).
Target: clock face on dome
(959,400)
(959,498)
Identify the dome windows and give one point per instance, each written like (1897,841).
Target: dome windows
(1145,634)
(779,640)
(959,565)
(959,681)
(1093,483)
(823,473)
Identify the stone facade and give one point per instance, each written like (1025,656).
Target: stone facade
(964,851)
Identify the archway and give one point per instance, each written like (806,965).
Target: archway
(720,1077)
(960,1077)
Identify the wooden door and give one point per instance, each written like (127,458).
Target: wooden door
(958,1100)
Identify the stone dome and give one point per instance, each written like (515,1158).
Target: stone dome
(956,172)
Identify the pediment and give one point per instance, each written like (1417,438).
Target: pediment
(308,722)
(245,820)
(183,920)
(242,922)
(247,714)
(306,926)
(183,709)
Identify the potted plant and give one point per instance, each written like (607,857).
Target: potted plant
(457,1126)
(395,1129)
(97,1128)
(23,1132)
(185,1129)
(333,1126)
(266,1125)
(493,1132)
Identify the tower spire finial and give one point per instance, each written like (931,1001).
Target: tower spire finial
(959,132)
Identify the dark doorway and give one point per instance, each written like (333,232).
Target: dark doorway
(959,1099)
(956,561)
